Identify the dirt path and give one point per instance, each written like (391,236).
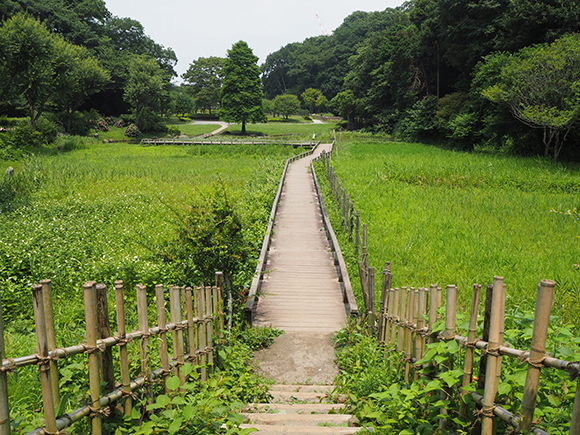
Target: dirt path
(301,294)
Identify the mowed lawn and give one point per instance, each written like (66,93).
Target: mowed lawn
(447,217)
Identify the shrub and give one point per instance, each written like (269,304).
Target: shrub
(132,131)
(173,131)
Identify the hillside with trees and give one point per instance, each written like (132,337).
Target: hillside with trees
(426,71)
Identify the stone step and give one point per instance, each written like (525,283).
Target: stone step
(303,397)
(286,408)
(303,388)
(335,420)
(312,430)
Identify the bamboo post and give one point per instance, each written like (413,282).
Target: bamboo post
(402,318)
(219,282)
(161,322)
(51,337)
(470,352)
(339,195)
(200,310)
(383,313)
(364,282)
(210,312)
(537,352)
(371,308)
(346,203)
(419,334)
(90,298)
(357,234)
(176,320)
(365,251)
(575,418)
(351,221)
(44,361)
(394,317)
(485,336)
(144,343)
(492,354)
(124,359)
(104,331)
(432,312)
(409,332)
(450,312)
(216,310)
(191,346)
(4,407)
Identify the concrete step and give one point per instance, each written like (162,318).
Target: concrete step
(264,429)
(337,420)
(286,408)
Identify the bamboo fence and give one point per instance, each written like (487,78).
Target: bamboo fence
(194,312)
(407,317)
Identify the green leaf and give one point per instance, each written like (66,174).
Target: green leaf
(175,426)
(236,418)
(172,383)
(504,388)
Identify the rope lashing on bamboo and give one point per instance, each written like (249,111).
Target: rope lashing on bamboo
(537,363)
(494,351)
(10,367)
(486,412)
(105,412)
(43,363)
(122,341)
(472,344)
(60,432)
(101,347)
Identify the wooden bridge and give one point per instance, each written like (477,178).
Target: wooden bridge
(205,141)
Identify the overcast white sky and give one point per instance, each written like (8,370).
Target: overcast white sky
(196,28)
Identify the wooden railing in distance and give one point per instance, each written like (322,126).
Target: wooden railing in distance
(196,346)
(252,301)
(197,141)
(346,287)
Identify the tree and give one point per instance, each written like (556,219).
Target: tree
(27,63)
(286,105)
(541,87)
(146,85)
(344,103)
(241,92)
(84,76)
(181,101)
(204,78)
(310,96)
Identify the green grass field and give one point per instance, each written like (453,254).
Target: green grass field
(447,217)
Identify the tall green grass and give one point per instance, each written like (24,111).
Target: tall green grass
(297,132)
(447,217)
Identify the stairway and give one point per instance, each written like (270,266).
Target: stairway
(300,409)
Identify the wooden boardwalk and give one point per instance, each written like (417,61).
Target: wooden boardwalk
(300,291)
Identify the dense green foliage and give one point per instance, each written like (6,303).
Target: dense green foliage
(448,217)
(373,379)
(414,71)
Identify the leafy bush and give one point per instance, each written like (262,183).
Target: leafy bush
(23,136)
(173,131)
(418,120)
(149,121)
(132,131)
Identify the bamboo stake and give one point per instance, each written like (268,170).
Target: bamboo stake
(4,406)
(575,418)
(124,359)
(485,336)
(190,325)
(210,310)
(470,352)
(384,304)
(219,282)
(43,365)
(450,323)
(104,331)
(161,322)
(178,343)
(419,337)
(351,221)
(200,310)
(144,343)
(432,312)
(371,308)
(90,296)
(357,234)
(402,318)
(217,315)
(51,337)
(409,331)
(395,317)
(492,354)
(537,351)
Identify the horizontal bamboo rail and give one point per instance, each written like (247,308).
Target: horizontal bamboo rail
(252,301)
(199,348)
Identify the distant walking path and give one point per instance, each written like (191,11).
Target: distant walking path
(223,126)
(300,293)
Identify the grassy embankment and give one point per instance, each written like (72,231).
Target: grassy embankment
(457,218)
